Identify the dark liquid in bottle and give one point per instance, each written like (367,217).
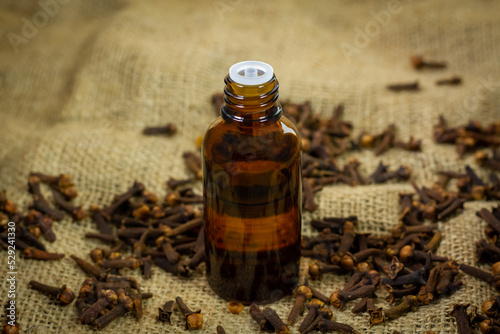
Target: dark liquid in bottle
(252,208)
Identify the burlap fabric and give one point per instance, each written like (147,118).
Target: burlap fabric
(76,91)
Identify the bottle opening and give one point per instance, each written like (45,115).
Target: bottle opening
(251,72)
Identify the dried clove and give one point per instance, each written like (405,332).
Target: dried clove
(302,293)
(400,292)
(169,251)
(166,265)
(490,218)
(394,249)
(399,87)
(132,263)
(453,81)
(194,319)
(89,315)
(460,313)
(137,306)
(326,326)
(340,297)
(165,313)
(193,163)
(346,242)
(275,320)
(360,306)
(37,254)
(99,220)
(140,244)
(411,145)
(107,238)
(376,314)
(313,306)
(62,295)
(146,267)
(61,183)
(409,303)
(39,201)
(89,268)
(77,212)
(168,130)
(309,204)
(387,140)
(317,294)
(419,63)
(456,204)
(447,272)
(433,244)
(120,200)
(116,312)
(25,234)
(381,174)
(426,293)
(349,261)
(188,226)
(394,268)
(260,319)
(174,183)
(477,273)
(335,224)
(486,252)
(351,168)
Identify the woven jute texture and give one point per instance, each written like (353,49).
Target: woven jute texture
(79,80)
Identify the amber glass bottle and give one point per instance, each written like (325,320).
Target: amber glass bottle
(252,191)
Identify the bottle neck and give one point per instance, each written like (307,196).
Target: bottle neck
(243,103)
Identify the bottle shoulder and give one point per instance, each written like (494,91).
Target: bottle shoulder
(215,124)
(289,127)
(283,126)
(277,140)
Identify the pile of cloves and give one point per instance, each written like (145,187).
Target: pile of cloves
(467,317)
(325,139)
(487,250)
(38,222)
(108,297)
(386,140)
(438,202)
(167,233)
(469,138)
(158,232)
(491,162)
(415,274)
(318,318)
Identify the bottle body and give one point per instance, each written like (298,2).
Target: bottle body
(252,194)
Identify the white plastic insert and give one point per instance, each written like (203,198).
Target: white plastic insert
(251,72)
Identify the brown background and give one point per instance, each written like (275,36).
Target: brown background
(76,95)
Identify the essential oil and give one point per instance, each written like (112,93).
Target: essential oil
(252,191)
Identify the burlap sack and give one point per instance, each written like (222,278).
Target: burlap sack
(80,79)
